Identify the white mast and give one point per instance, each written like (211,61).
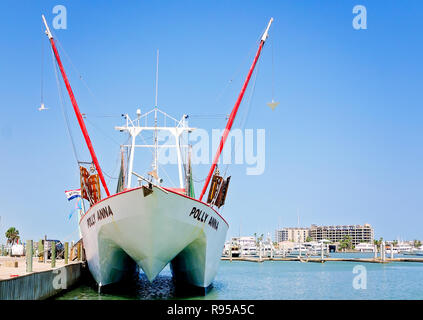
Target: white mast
(157,77)
(134,129)
(155,166)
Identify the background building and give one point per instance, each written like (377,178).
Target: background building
(358,233)
(292,234)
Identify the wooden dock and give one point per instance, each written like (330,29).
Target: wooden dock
(34,277)
(42,283)
(320,260)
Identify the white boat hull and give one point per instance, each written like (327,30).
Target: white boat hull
(151,230)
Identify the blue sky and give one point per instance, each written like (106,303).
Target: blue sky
(343,147)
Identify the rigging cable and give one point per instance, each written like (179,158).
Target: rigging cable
(77,72)
(62,104)
(42,72)
(91,93)
(236,74)
(240,66)
(101,131)
(247,113)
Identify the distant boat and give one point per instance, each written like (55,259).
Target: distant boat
(400,248)
(315,248)
(248,246)
(297,250)
(415,252)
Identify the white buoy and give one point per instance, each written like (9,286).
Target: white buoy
(42,107)
(273,104)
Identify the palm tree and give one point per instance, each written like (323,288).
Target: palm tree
(12,234)
(346,243)
(378,242)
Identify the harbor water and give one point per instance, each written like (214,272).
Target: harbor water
(282,280)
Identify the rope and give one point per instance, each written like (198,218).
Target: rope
(103,115)
(250,98)
(62,104)
(114,170)
(247,112)
(162,168)
(209,116)
(101,131)
(77,72)
(42,70)
(239,68)
(273,72)
(70,235)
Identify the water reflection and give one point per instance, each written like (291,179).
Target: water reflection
(139,288)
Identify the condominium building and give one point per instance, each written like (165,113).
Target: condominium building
(292,234)
(358,233)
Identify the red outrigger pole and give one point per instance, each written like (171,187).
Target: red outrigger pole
(76,108)
(234,111)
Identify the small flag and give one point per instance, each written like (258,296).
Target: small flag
(77,208)
(72,194)
(71,214)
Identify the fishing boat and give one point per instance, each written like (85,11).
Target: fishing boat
(248,246)
(297,251)
(150,225)
(400,248)
(365,247)
(414,252)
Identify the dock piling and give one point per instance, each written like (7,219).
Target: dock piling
(29,250)
(79,251)
(53,254)
(66,254)
(260,250)
(382,251)
(40,251)
(45,251)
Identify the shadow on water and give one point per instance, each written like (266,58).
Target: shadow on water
(136,287)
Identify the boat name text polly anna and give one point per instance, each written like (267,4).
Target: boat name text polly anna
(202,216)
(101,214)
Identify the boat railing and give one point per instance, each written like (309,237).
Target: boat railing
(140,177)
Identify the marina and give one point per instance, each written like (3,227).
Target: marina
(274,280)
(278,157)
(320,260)
(34,279)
